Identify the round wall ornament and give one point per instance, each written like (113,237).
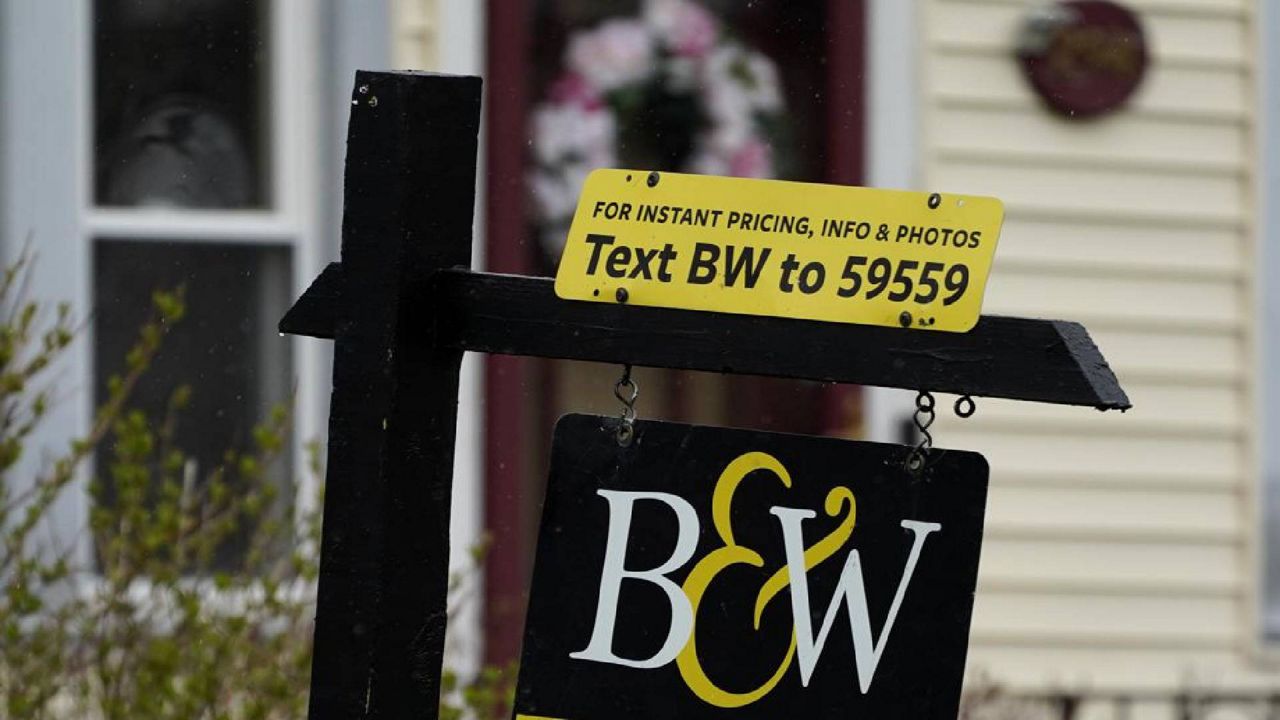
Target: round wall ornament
(1083,57)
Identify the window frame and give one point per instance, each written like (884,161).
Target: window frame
(893,139)
(459,42)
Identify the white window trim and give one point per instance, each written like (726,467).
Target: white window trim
(462,44)
(892,141)
(42,196)
(251,227)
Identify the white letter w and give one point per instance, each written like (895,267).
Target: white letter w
(851,589)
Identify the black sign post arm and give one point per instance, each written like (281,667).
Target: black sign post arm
(1049,361)
(409,194)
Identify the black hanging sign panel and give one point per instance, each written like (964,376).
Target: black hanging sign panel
(669,573)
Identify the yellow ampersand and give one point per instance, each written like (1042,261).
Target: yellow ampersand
(839,500)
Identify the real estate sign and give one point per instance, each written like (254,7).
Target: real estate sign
(706,572)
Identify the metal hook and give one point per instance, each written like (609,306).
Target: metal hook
(923,418)
(626,390)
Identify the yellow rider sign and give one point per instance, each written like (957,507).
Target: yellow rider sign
(784,249)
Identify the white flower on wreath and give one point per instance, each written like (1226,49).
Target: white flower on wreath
(617,53)
(557,195)
(567,131)
(686,28)
(765,90)
(576,139)
(741,84)
(749,74)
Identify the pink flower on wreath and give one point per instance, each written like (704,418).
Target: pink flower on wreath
(687,28)
(572,88)
(614,54)
(753,160)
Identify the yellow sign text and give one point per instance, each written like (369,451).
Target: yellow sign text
(783,249)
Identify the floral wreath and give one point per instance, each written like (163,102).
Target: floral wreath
(671,83)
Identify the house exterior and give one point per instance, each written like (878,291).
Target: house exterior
(1122,552)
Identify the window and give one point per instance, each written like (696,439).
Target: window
(226,349)
(197,178)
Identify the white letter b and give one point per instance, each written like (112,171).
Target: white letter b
(600,648)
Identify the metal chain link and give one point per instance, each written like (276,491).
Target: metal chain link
(626,390)
(923,418)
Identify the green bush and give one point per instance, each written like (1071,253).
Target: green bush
(152,629)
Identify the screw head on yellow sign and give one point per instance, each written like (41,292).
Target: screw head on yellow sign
(784,249)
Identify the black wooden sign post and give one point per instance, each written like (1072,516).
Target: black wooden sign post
(402,307)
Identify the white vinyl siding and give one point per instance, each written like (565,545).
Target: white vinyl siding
(415,34)
(1119,547)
